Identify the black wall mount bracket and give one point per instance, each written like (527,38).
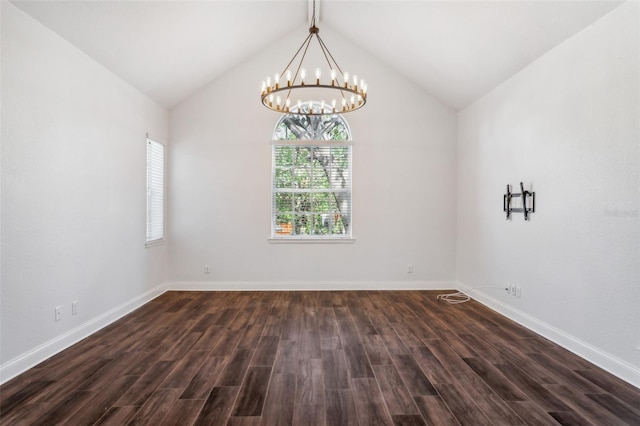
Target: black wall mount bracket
(528,202)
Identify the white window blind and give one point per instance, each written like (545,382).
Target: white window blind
(155,191)
(311,190)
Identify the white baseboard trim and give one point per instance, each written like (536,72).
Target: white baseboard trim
(620,368)
(27,360)
(308,285)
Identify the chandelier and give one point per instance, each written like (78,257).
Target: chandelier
(294,92)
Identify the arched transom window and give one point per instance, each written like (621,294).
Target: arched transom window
(311,177)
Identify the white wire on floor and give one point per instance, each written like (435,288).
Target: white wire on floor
(453,298)
(458,296)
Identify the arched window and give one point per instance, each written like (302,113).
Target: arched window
(311,183)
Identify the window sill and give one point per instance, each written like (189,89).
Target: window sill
(154,243)
(311,240)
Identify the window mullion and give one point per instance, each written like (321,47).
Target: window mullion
(312,164)
(330,180)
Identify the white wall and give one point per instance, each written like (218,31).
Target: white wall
(568,126)
(73,193)
(403,185)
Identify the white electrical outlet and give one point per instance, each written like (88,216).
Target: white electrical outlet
(58,311)
(513,289)
(207,269)
(74,307)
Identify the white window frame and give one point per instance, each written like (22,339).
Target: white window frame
(155,193)
(314,238)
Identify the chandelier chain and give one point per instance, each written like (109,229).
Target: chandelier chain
(313,17)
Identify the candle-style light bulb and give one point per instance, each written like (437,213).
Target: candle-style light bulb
(333,77)
(271,100)
(355,82)
(299,106)
(278,101)
(276,80)
(359,100)
(268,84)
(287,104)
(353,101)
(303,74)
(364,89)
(310,107)
(333,105)
(318,75)
(322,107)
(288,78)
(264,87)
(346,79)
(344,104)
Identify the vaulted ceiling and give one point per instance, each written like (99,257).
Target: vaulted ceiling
(456,50)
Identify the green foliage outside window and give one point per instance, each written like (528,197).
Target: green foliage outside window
(312,184)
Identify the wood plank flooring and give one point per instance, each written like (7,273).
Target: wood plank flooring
(316,358)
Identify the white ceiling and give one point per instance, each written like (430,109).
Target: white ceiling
(456,50)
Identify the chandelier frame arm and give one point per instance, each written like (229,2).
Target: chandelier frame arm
(305,42)
(324,48)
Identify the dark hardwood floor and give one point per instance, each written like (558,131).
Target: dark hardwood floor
(316,358)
